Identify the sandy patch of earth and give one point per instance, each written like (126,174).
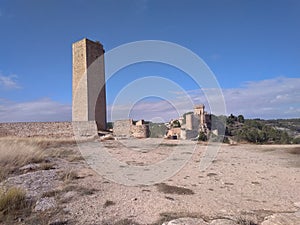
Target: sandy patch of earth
(243,180)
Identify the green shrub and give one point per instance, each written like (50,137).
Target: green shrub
(226,140)
(296,140)
(202,136)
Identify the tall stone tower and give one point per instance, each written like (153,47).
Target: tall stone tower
(89,94)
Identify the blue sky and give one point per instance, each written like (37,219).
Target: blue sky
(253,48)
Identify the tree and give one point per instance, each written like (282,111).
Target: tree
(231,119)
(240,119)
(202,136)
(176,123)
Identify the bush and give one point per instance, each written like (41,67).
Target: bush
(157,130)
(296,140)
(226,140)
(262,134)
(202,136)
(176,123)
(240,119)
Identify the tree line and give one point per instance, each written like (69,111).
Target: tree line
(252,130)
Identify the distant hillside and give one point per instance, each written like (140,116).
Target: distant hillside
(291,126)
(280,131)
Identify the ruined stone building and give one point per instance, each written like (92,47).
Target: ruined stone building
(198,121)
(129,128)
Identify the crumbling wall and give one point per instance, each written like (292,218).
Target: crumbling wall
(127,128)
(140,131)
(121,128)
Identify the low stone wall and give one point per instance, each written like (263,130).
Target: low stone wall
(37,129)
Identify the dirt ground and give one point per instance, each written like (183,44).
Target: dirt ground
(244,184)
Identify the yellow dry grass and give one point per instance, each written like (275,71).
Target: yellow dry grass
(17,152)
(14,198)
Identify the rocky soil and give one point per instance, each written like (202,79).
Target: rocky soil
(245,184)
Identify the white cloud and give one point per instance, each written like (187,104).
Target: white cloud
(273,98)
(9,82)
(34,111)
(152,111)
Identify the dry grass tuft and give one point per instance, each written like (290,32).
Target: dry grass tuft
(70,154)
(41,142)
(15,154)
(69,176)
(12,200)
(169,189)
(47,166)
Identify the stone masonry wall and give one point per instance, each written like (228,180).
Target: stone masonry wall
(37,129)
(140,131)
(121,128)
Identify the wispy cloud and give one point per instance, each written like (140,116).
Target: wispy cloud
(34,111)
(158,111)
(9,82)
(272,98)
